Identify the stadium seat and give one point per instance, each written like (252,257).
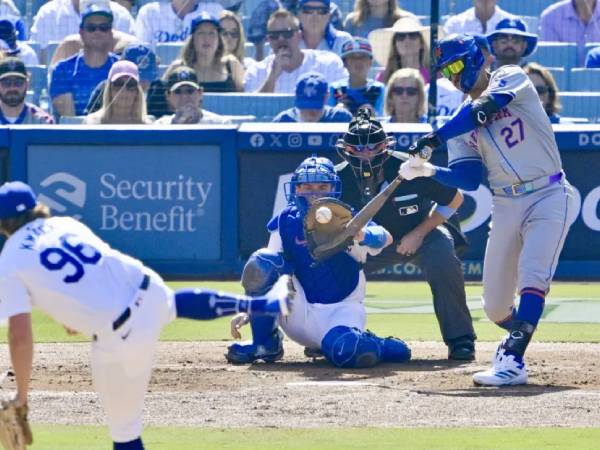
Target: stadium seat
(263,106)
(249,50)
(555,54)
(240,119)
(50,49)
(162,68)
(168,51)
(585,80)
(581,104)
(39,80)
(561,76)
(71,120)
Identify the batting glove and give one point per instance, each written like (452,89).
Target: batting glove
(424,145)
(408,171)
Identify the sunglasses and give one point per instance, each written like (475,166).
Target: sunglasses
(185,90)
(400,90)
(542,90)
(320,10)
(103,27)
(12,82)
(230,34)
(285,34)
(453,68)
(412,36)
(130,85)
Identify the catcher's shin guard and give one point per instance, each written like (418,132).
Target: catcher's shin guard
(269,351)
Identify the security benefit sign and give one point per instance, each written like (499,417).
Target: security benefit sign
(155,202)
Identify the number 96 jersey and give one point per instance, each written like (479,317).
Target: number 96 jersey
(517,143)
(61,267)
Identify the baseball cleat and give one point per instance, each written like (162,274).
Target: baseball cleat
(282,292)
(248,353)
(505,371)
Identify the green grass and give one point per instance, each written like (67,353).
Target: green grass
(419,327)
(61,437)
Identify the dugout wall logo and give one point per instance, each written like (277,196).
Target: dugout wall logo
(68,192)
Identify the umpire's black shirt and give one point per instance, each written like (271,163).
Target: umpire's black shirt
(407,207)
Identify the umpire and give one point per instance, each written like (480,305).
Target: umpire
(417,217)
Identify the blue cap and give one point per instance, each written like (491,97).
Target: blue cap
(144,58)
(8,33)
(311,90)
(96,9)
(205,17)
(15,198)
(515,26)
(326,3)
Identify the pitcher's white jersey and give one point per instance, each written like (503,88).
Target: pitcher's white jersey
(60,266)
(517,144)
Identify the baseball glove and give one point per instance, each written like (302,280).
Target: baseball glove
(321,236)
(15,433)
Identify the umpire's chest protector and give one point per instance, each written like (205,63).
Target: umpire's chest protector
(329,281)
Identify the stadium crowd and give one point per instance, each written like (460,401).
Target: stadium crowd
(141,62)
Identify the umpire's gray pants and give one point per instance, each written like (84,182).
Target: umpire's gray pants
(443,271)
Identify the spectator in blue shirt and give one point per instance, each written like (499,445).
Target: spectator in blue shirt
(357,91)
(311,94)
(73,79)
(592,60)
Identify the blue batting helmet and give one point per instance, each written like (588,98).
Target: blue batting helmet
(461,47)
(313,170)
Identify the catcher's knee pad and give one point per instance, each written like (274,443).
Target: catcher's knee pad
(350,347)
(262,271)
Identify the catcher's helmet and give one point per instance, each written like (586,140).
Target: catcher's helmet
(313,170)
(365,145)
(462,47)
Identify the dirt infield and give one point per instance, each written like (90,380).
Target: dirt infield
(193,385)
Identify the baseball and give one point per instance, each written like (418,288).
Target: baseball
(323,214)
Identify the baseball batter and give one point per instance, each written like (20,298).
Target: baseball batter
(58,265)
(329,315)
(503,127)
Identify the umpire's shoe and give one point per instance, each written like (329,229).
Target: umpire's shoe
(269,352)
(462,349)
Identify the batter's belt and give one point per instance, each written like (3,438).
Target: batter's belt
(515,190)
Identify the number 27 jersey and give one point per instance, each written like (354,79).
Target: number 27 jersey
(517,144)
(63,268)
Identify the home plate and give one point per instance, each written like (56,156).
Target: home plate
(332,383)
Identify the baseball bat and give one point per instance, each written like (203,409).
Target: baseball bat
(358,222)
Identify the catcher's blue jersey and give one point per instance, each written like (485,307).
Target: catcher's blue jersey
(330,281)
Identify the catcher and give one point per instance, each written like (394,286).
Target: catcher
(328,316)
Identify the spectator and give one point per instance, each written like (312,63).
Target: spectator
(170,21)
(59,18)
(481,18)
(10,12)
(73,79)
(232,34)
(279,71)
(510,42)
(12,47)
(357,91)
(123,101)
(312,91)
(572,21)
(231,5)
(317,31)
(145,60)
(14,82)
(544,84)
(406,44)
(72,44)
(405,97)
(127,4)
(185,98)
(205,53)
(369,15)
(592,60)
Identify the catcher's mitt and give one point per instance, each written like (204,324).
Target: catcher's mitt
(321,236)
(15,433)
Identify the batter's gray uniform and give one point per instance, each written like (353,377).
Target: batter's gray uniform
(527,234)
